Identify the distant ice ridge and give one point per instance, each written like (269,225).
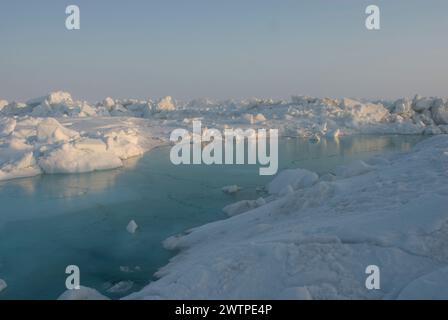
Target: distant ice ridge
(316,240)
(57,134)
(32,146)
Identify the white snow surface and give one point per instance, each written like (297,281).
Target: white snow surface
(316,242)
(58,134)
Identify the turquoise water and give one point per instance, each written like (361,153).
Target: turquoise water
(50,222)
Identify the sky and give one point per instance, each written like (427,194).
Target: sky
(223,49)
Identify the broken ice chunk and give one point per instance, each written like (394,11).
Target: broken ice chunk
(231,189)
(132,227)
(7,126)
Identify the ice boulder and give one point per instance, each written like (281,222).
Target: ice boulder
(22,166)
(3,285)
(16,109)
(53,98)
(83,109)
(292,178)
(347,103)
(166,104)
(231,189)
(124,144)
(79,158)
(7,126)
(109,103)
(84,293)
(132,227)
(259,118)
(59,97)
(420,104)
(3,103)
(439,112)
(50,130)
(368,113)
(403,107)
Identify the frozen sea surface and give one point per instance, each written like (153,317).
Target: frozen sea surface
(52,221)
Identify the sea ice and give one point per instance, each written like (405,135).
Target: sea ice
(295,178)
(231,189)
(132,227)
(130,127)
(317,242)
(7,126)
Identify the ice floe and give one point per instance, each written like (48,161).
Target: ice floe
(231,189)
(132,227)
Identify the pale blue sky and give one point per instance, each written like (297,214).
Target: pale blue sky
(223,49)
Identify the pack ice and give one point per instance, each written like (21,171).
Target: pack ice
(57,134)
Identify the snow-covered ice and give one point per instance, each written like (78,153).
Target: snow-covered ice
(231,189)
(316,242)
(132,227)
(64,135)
(292,179)
(310,237)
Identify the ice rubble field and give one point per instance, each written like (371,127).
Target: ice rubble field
(311,237)
(55,134)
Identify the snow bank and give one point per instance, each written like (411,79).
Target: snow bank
(316,242)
